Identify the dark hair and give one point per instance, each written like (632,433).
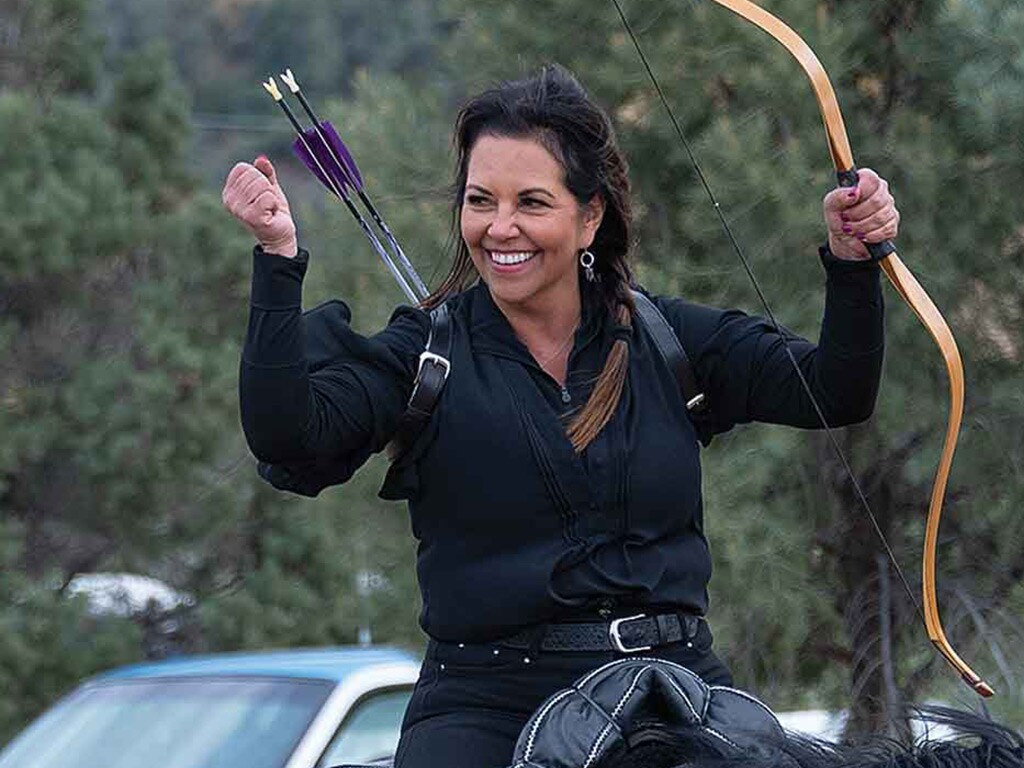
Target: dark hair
(654,746)
(553,108)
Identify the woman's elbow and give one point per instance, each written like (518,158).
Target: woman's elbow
(272,439)
(269,447)
(851,412)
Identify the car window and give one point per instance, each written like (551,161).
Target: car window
(370,731)
(172,723)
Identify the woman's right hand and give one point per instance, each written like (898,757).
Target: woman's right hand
(253,196)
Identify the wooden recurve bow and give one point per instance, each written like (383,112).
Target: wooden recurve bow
(906,286)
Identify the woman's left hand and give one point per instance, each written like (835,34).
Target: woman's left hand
(858,215)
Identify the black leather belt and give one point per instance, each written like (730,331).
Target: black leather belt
(632,634)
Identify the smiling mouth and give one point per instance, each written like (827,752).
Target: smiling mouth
(511,258)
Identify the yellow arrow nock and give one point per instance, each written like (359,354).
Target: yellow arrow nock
(271,87)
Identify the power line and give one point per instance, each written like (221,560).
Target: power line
(228,121)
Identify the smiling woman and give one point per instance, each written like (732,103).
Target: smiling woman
(524,229)
(555,489)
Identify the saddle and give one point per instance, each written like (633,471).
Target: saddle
(608,710)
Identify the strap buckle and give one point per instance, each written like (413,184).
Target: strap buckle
(432,357)
(616,638)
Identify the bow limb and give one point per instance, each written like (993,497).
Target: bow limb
(912,293)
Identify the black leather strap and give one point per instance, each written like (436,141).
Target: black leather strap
(435,365)
(668,344)
(624,635)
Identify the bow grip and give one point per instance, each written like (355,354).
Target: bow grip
(878,251)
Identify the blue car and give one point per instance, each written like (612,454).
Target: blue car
(278,709)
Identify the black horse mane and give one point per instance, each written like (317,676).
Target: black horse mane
(978,743)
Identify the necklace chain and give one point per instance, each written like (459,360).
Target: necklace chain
(562,347)
(558,351)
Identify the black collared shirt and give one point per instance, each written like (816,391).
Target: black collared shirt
(514,527)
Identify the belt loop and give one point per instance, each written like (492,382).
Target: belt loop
(691,625)
(671,628)
(536,639)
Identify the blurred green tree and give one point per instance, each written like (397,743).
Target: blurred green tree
(123,300)
(48,46)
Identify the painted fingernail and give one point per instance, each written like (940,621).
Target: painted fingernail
(860,237)
(843,217)
(852,193)
(847,229)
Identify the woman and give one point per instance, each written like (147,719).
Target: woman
(555,492)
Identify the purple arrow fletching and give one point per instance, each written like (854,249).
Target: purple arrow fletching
(300,150)
(342,151)
(326,158)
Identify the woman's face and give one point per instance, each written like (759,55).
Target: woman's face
(523,227)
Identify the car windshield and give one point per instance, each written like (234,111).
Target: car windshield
(172,723)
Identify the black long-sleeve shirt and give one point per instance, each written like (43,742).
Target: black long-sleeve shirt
(514,527)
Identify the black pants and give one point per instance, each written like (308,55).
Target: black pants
(471,701)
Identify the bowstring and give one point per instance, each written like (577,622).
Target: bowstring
(829,431)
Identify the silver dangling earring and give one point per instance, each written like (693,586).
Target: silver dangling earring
(587,262)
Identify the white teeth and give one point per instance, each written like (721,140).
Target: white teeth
(510,258)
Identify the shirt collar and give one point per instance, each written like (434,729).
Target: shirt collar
(490,330)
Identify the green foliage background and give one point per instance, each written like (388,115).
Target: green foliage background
(123,295)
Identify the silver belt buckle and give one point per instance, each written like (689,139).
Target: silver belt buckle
(616,638)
